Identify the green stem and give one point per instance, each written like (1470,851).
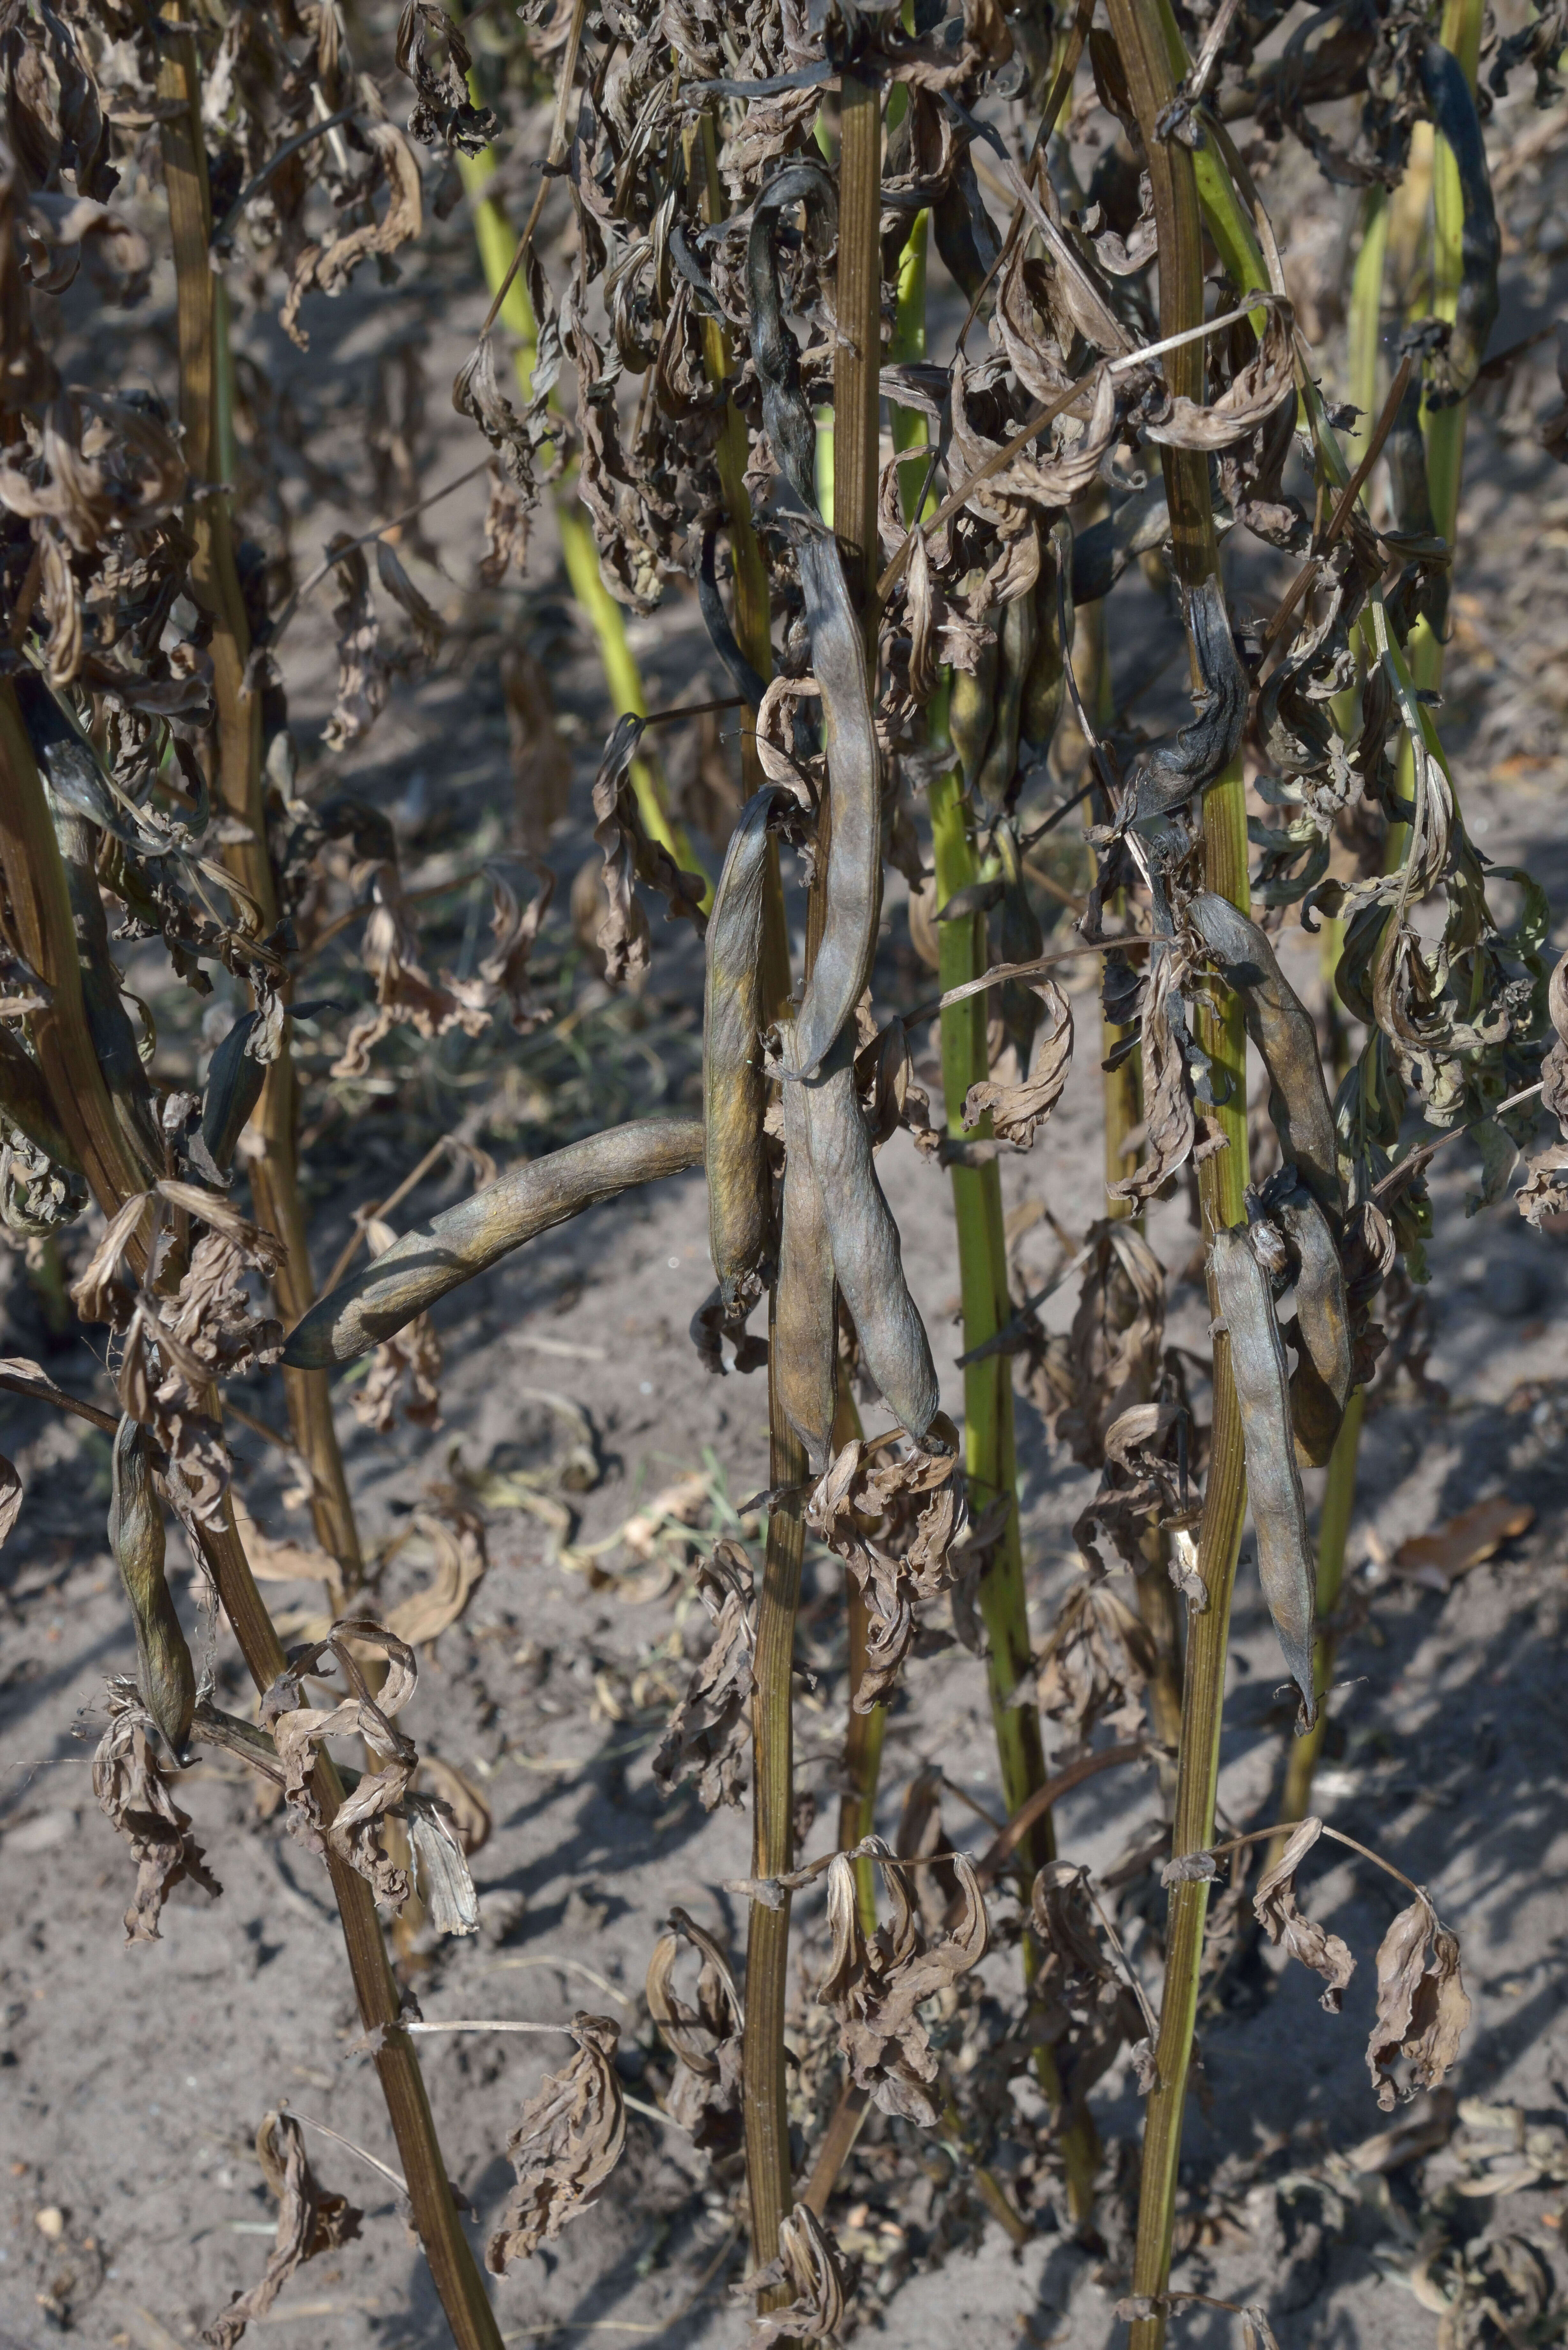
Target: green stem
(1366,324)
(1143,31)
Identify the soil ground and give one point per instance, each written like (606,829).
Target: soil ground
(133,2079)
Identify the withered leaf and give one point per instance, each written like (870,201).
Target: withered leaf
(134,1796)
(709,1729)
(877,1986)
(541,762)
(364,672)
(810,2265)
(564,2147)
(705,2041)
(1422,2011)
(895,1514)
(1018,1111)
(299,1732)
(1274,1907)
(331,266)
(10,1496)
(310,2220)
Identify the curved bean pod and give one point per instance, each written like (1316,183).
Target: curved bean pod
(734,1082)
(863,1240)
(1281,1027)
(165,1674)
(854,887)
(1285,1564)
(423,1266)
(1321,1380)
(805,1338)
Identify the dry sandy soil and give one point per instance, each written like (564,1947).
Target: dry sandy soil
(133,2079)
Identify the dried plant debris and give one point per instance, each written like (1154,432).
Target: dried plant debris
(564,2147)
(710,1728)
(810,2267)
(895,1514)
(1422,2008)
(351,1829)
(310,2220)
(705,2095)
(876,1985)
(1274,1907)
(131,1782)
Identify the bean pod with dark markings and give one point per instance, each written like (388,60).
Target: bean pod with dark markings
(734,1081)
(165,1674)
(1281,1027)
(1166,776)
(863,1240)
(1285,1564)
(1321,1380)
(786,412)
(423,1266)
(854,884)
(1017,636)
(804,1336)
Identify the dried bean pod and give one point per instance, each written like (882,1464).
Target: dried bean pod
(1321,1380)
(423,1266)
(1281,1027)
(863,1240)
(854,885)
(1285,1566)
(734,1082)
(165,1674)
(805,1339)
(1167,775)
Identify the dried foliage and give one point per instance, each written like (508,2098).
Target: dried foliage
(876,1985)
(310,2220)
(564,2147)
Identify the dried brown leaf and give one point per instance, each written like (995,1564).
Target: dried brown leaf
(10,1497)
(564,2147)
(1422,2011)
(705,2095)
(1466,1541)
(299,1733)
(1018,1111)
(810,2265)
(895,1514)
(134,1796)
(310,2220)
(710,1728)
(1274,1907)
(541,762)
(877,1986)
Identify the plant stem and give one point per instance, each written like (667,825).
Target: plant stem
(1140,28)
(1365,323)
(497,243)
(206,409)
(35,880)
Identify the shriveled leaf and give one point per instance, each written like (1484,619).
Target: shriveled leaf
(564,2147)
(1466,1541)
(710,1728)
(1274,1907)
(876,1986)
(540,761)
(810,2265)
(134,1796)
(895,1514)
(299,1733)
(1422,2009)
(1018,1111)
(705,2095)
(10,1497)
(310,2220)
(457,1537)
